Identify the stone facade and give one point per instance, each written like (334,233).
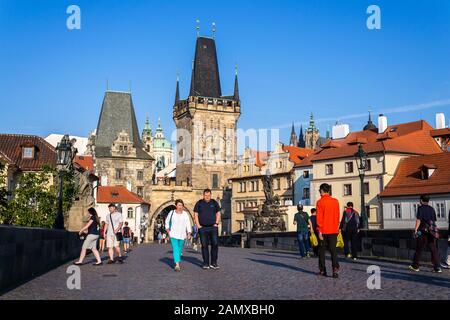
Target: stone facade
(207,142)
(134,174)
(247,184)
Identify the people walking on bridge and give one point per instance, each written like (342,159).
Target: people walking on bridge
(301,219)
(90,242)
(350,228)
(126,237)
(207,219)
(328,213)
(114,222)
(178,226)
(102,233)
(313,219)
(426,234)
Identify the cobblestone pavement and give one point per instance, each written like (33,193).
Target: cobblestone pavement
(244,274)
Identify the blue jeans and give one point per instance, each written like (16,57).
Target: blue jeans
(209,236)
(303,243)
(177,248)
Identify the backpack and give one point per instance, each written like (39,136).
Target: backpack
(431,228)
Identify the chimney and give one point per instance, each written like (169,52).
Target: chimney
(340,131)
(440,121)
(382,123)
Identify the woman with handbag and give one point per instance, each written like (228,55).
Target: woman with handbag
(90,241)
(178,226)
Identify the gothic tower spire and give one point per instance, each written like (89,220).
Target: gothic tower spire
(177,90)
(236,85)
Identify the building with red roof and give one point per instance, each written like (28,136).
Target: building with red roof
(133,208)
(24,153)
(334,162)
(427,174)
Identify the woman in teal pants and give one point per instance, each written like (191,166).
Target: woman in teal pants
(178,226)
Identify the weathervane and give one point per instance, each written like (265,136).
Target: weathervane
(198,27)
(214,30)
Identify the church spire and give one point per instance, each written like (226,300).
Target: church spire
(236,85)
(301,139)
(370,125)
(293,141)
(177,90)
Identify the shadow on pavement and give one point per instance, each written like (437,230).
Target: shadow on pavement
(414,277)
(281,265)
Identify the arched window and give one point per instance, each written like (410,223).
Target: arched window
(130,213)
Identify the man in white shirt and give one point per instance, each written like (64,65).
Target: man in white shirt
(114,222)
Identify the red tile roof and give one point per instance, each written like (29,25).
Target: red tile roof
(260,157)
(440,132)
(86,162)
(117,194)
(408,177)
(297,154)
(410,138)
(11,148)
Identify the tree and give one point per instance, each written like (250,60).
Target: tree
(35,200)
(3,190)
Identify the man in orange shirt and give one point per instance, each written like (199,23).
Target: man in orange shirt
(328,214)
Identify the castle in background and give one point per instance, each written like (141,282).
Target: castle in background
(311,139)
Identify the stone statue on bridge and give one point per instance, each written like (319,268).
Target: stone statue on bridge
(270,215)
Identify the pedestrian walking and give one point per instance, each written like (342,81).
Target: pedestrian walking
(102,233)
(195,237)
(126,237)
(426,234)
(301,219)
(207,219)
(159,237)
(90,242)
(328,225)
(114,222)
(313,219)
(446,264)
(350,228)
(178,226)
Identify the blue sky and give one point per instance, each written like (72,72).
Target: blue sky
(294,57)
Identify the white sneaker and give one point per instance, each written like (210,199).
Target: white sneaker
(445,265)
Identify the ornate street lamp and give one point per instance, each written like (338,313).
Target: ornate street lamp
(65,153)
(361,161)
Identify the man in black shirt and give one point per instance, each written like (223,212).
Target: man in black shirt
(426,220)
(207,219)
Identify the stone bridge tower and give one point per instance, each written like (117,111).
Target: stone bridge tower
(206,124)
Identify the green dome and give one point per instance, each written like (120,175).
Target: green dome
(161,143)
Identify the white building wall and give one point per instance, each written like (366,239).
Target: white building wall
(134,223)
(408,213)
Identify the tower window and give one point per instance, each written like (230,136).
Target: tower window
(215,180)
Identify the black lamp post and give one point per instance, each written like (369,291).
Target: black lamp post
(64,150)
(361,161)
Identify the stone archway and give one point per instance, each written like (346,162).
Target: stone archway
(161,213)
